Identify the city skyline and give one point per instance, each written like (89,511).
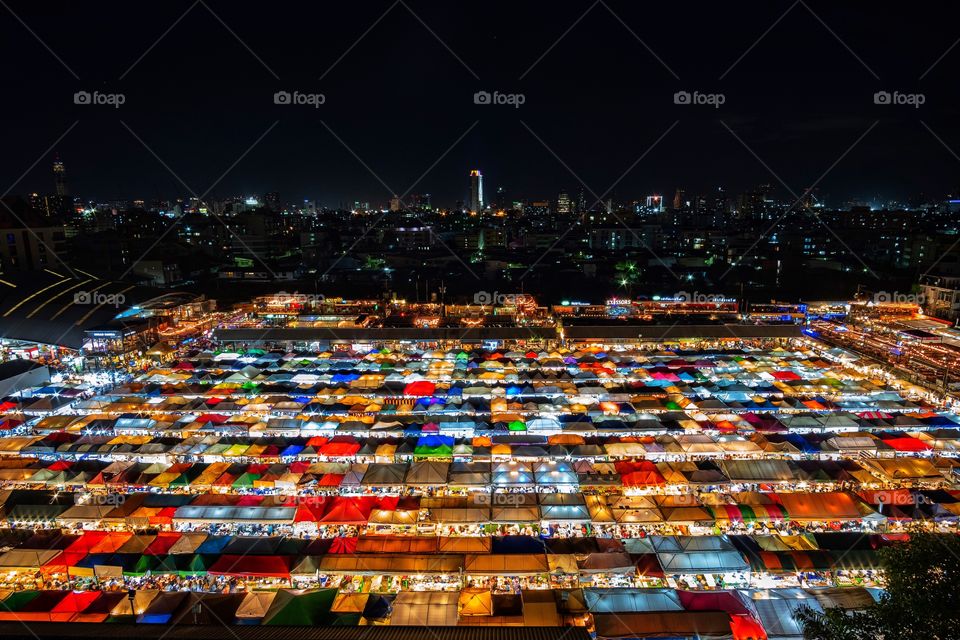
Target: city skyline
(503,200)
(201,107)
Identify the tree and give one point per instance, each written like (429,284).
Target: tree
(921,599)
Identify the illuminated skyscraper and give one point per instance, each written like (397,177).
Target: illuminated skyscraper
(476,191)
(59,176)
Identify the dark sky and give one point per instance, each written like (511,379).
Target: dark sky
(799,98)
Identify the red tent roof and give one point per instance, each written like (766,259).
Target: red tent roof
(331,480)
(215,418)
(420,388)
(162,543)
(713,601)
(785,376)
(746,628)
(343,545)
(907,443)
(642,472)
(339,449)
(349,510)
(74,603)
(164,516)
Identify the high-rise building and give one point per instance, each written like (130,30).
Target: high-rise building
(419,201)
(59,176)
(476,191)
(564,205)
(756,204)
(678,199)
(501,199)
(655,203)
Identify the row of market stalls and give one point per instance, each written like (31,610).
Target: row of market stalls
(499,564)
(549,515)
(412,381)
(594,401)
(739,614)
(107,440)
(433,470)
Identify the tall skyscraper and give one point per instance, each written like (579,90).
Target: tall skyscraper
(59,176)
(564,205)
(476,191)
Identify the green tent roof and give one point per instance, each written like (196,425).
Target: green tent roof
(310,608)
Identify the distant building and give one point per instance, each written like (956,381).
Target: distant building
(158,273)
(564,205)
(272,200)
(59,177)
(419,202)
(481,239)
(501,202)
(476,191)
(537,207)
(410,238)
(27,240)
(941,296)
(678,201)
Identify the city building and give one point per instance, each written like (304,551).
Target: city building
(28,240)
(941,296)
(476,191)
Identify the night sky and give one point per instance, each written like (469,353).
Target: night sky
(202,94)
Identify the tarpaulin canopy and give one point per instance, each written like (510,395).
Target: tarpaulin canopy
(306,608)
